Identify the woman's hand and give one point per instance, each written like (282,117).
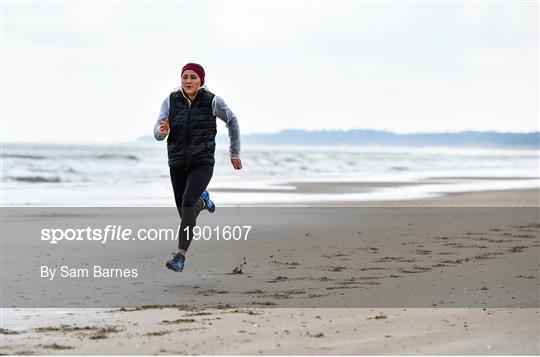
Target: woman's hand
(164,127)
(237,163)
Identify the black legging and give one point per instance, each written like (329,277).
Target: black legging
(188,185)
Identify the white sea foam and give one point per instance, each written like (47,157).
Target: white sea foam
(137,175)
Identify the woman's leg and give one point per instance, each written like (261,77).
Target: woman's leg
(178,180)
(196,182)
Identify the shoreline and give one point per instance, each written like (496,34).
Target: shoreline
(489,198)
(526,197)
(518,197)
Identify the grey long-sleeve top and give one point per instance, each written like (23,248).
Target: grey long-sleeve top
(220,110)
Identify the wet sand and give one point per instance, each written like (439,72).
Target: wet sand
(489,258)
(500,198)
(526,197)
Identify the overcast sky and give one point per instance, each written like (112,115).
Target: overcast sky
(98,72)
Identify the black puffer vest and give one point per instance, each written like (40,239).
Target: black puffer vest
(192,134)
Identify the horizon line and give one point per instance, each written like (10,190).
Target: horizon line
(138,138)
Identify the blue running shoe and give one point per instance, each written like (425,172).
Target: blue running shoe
(176,263)
(209,205)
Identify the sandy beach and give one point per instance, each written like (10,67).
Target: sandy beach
(452,275)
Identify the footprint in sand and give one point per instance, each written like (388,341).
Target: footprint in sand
(336,268)
(414,270)
(395,259)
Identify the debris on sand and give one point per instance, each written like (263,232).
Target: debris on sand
(64,328)
(211,292)
(181,307)
(395,259)
(264,303)
(518,248)
(245,311)
(288,265)
(336,268)
(200,313)
(378,317)
(415,270)
(5,331)
(177,321)
(104,332)
(56,346)
(96,332)
(278,278)
(157,333)
(253,292)
(238,269)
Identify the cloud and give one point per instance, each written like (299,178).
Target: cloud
(106,67)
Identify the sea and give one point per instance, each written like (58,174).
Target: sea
(137,174)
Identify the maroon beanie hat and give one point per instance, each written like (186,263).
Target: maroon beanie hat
(197,68)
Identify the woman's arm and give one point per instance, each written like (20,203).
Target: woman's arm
(222,111)
(161,128)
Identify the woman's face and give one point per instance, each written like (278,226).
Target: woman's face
(190,82)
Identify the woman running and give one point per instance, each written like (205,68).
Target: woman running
(188,117)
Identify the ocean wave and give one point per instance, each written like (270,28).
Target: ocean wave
(117,156)
(399,168)
(34,179)
(51,170)
(23,156)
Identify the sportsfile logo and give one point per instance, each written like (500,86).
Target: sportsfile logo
(119,233)
(108,233)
